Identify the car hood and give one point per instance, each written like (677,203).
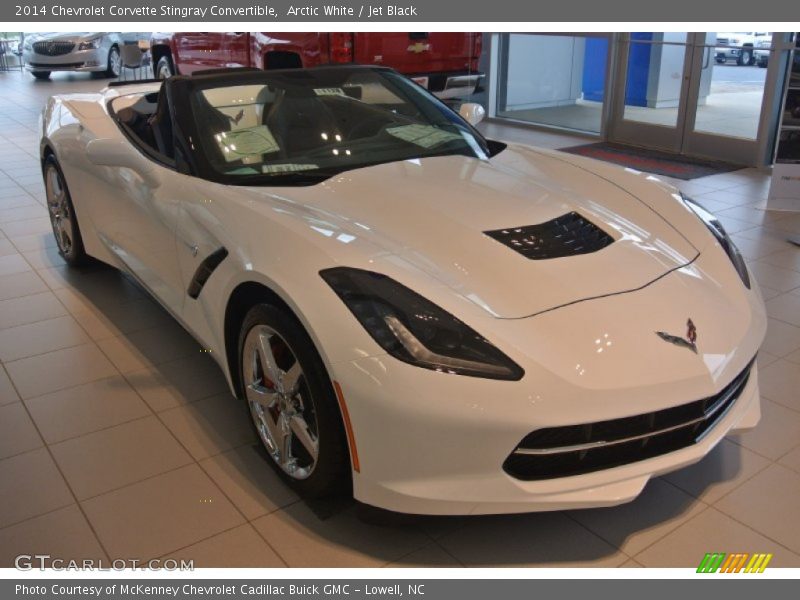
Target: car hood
(71,36)
(433,214)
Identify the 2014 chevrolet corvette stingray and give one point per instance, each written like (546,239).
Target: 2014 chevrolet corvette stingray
(442,323)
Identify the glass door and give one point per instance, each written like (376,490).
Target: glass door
(651,89)
(726,96)
(699,94)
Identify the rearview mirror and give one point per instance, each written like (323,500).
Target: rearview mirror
(114,153)
(472,112)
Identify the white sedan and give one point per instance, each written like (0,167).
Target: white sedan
(437,322)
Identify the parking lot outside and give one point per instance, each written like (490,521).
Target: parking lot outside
(120,439)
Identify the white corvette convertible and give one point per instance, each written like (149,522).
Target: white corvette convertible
(441,323)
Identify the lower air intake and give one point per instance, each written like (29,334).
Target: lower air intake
(577,449)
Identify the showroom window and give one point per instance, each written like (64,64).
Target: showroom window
(553,80)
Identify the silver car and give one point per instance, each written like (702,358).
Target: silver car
(91,52)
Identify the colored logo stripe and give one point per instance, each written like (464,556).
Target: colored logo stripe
(758,563)
(711,562)
(734,563)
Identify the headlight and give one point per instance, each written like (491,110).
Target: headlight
(415,330)
(92,44)
(723,238)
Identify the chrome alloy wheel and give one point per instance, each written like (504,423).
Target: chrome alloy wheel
(114,62)
(280,402)
(164,71)
(58,207)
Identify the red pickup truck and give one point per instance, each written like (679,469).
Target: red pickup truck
(445,63)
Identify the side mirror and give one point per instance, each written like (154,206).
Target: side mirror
(112,153)
(472,112)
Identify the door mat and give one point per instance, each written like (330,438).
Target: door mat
(652,161)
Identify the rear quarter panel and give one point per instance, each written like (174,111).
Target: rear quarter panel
(311,47)
(69,123)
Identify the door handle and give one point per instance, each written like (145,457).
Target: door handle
(193,248)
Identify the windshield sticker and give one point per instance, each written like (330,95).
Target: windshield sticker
(244,143)
(243,171)
(425,136)
(287,168)
(329,91)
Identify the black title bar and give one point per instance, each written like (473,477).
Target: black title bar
(435,11)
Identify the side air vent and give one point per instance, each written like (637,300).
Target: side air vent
(204,271)
(567,235)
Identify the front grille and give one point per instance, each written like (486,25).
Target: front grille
(53,48)
(577,449)
(567,235)
(722,41)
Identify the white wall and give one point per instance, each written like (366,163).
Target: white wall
(544,70)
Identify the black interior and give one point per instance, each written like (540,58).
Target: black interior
(149,122)
(186,139)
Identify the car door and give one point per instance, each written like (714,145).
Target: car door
(198,50)
(138,223)
(135,214)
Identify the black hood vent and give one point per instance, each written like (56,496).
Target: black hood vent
(567,235)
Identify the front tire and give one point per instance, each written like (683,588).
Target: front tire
(62,214)
(41,75)
(292,403)
(164,68)
(114,62)
(745,58)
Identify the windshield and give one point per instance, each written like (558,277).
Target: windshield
(303,126)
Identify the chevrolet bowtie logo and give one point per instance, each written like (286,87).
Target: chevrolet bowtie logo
(419,47)
(690,341)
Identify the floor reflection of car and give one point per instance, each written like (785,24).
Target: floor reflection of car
(739,47)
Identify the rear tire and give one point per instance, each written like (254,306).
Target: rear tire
(41,75)
(62,214)
(292,403)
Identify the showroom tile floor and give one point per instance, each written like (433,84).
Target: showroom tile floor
(119,439)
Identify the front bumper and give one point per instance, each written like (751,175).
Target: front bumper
(431,443)
(77,60)
(495,492)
